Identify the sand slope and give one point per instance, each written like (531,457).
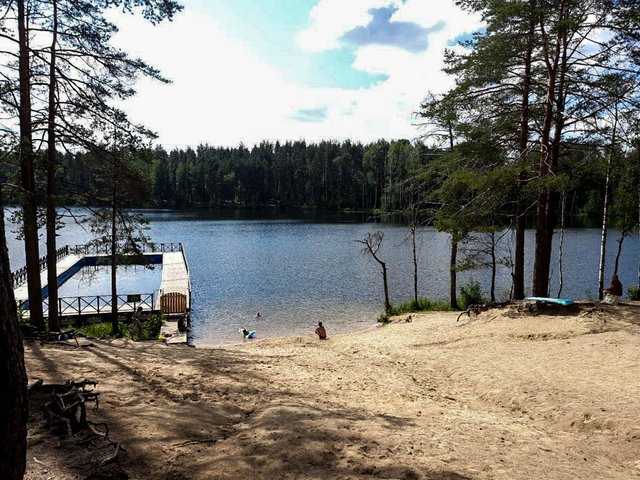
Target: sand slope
(499,396)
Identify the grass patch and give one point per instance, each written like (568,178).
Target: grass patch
(150,329)
(410,306)
(101,330)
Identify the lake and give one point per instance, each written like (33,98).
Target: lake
(298,269)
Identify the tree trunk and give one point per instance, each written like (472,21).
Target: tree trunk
(453,295)
(605,208)
(603,234)
(415,257)
(27,175)
(615,265)
(518,267)
(523,145)
(493,267)
(13,394)
(52,278)
(387,304)
(550,150)
(561,242)
(115,328)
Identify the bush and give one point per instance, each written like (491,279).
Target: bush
(634,293)
(151,327)
(471,294)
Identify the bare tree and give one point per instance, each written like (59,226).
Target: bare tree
(372,243)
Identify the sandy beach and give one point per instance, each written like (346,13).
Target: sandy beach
(504,395)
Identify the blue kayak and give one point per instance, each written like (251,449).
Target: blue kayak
(556,301)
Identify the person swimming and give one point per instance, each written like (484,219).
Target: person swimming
(258,314)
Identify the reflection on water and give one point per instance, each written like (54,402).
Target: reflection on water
(304,268)
(96,280)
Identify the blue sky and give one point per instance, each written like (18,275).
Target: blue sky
(248,70)
(270,26)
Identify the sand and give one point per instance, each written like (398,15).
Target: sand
(504,395)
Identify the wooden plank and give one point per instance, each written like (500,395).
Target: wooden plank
(169,330)
(175,277)
(22,293)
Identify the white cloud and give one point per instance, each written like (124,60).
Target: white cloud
(224,93)
(330,19)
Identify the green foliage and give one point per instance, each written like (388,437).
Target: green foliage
(423,305)
(410,306)
(22,320)
(634,293)
(471,294)
(101,330)
(151,327)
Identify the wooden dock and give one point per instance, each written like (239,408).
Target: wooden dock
(175,279)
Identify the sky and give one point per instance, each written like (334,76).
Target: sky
(244,71)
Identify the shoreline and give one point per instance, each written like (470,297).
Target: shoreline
(257,340)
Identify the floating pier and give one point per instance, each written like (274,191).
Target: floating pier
(70,260)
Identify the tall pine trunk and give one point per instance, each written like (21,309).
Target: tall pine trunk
(556,65)
(13,394)
(115,328)
(415,263)
(27,175)
(561,244)
(52,277)
(453,274)
(494,266)
(523,144)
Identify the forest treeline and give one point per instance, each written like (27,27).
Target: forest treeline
(385,176)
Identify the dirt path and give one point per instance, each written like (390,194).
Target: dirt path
(501,396)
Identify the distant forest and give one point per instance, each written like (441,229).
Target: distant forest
(383,175)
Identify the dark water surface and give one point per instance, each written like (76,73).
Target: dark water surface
(298,269)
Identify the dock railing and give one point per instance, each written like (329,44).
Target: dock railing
(19,277)
(101,304)
(105,249)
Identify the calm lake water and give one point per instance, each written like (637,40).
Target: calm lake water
(299,269)
(96,280)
